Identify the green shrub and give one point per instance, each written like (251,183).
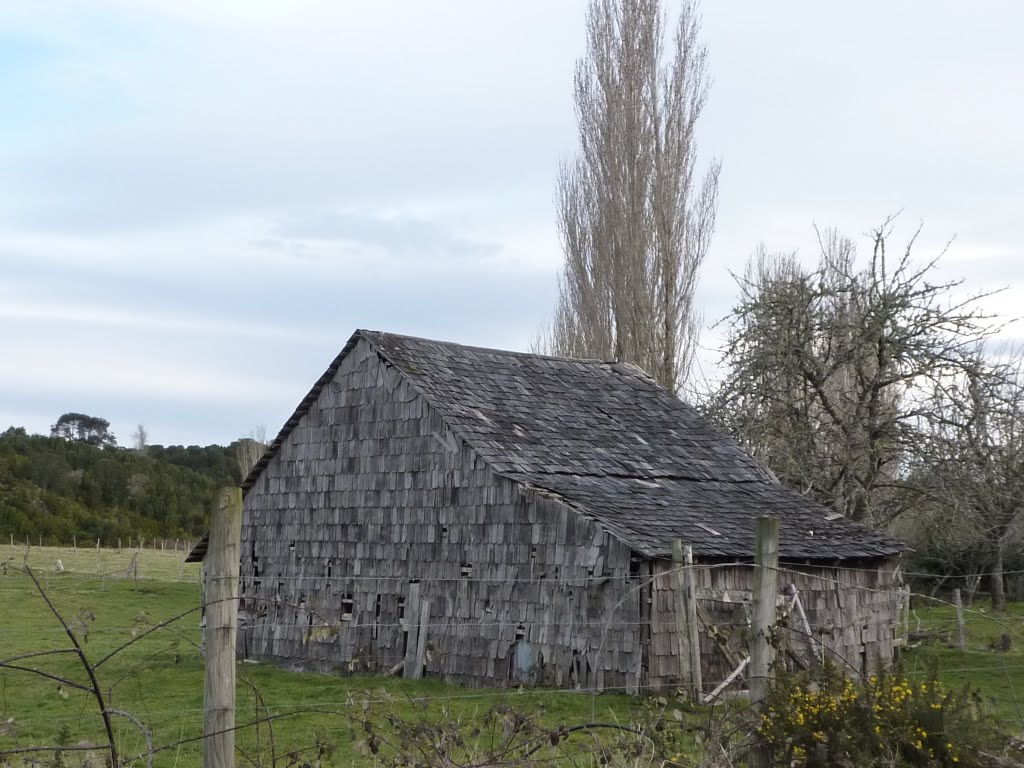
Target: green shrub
(825,718)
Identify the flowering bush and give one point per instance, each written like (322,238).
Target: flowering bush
(825,718)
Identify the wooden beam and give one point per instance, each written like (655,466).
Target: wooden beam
(412,628)
(686,623)
(421,640)
(689,578)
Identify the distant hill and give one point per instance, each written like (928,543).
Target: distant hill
(60,488)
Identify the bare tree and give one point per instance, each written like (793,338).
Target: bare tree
(250,449)
(140,438)
(828,368)
(634,220)
(972,465)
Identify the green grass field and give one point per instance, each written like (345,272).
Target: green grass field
(159,679)
(152,564)
(997,674)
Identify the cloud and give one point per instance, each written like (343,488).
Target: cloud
(41,312)
(279,111)
(389,234)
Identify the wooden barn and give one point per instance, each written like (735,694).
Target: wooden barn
(492,517)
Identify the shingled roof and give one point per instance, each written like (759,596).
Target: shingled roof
(612,443)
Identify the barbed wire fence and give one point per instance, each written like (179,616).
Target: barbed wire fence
(987,644)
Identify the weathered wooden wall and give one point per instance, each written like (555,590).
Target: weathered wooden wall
(372,502)
(853,611)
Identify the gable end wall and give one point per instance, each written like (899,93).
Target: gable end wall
(371,492)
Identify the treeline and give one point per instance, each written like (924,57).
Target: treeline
(60,488)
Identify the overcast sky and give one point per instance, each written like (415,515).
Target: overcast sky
(200,201)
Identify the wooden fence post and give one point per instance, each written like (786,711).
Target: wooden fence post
(906,616)
(961,637)
(690,671)
(220,607)
(766,590)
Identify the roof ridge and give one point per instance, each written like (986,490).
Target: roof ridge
(497,351)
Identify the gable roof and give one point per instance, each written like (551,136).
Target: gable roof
(612,443)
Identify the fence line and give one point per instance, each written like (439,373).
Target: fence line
(354,703)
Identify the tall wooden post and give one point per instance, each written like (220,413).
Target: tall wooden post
(961,636)
(220,607)
(766,590)
(690,671)
(906,616)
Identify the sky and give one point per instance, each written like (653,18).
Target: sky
(200,202)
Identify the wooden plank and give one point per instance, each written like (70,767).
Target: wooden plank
(690,607)
(412,625)
(421,640)
(684,656)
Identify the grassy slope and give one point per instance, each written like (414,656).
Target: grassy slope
(160,679)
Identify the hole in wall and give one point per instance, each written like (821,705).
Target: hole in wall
(347,607)
(467,570)
(634,567)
